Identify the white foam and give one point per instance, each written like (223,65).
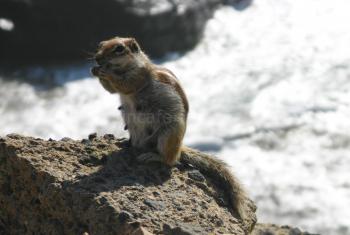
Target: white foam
(6,24)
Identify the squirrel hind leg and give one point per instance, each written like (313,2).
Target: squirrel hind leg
(169,146)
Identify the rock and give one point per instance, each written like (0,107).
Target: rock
(125,216)
(141,231)
(182,230)
(272,229)
(70,187)
(92,136)
(196,175)
(239,4)
(61,29)
(154,204)
(295,231)
(109,136)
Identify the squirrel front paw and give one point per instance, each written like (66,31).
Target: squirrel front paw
(102,71)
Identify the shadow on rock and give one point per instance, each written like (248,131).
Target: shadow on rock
(120,169)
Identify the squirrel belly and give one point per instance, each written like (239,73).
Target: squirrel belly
(156,119)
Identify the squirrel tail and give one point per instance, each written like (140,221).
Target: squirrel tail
(219,171)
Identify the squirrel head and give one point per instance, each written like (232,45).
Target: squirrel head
(122,53)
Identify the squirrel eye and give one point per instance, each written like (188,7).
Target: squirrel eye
(119,49)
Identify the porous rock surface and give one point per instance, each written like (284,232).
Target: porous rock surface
(273,229)
(95,186)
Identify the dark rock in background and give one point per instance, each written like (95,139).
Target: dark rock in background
(239,5)
(61,31)
(65,30)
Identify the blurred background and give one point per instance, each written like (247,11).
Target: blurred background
(268,83)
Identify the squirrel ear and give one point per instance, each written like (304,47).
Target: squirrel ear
(134,46)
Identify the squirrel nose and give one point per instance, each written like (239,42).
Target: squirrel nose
(100,60)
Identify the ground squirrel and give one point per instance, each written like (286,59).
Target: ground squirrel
(154,108)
